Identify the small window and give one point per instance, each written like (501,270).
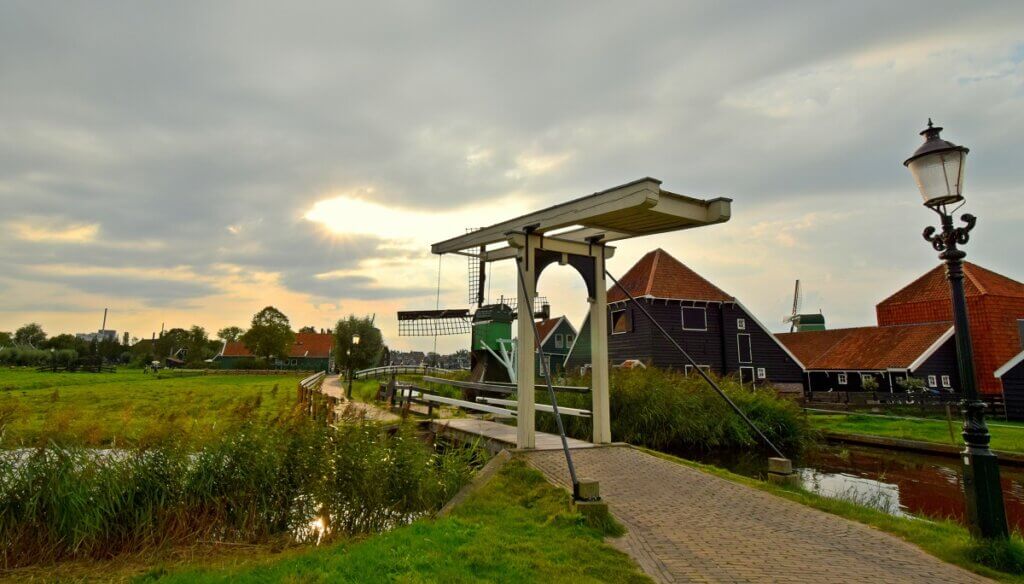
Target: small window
(621,322)
(704,368)
(761,373)
(568,340)
(695,318)
(864,377)
(559,341)
(932,381)
(741,324)
(842,379)
(946,382)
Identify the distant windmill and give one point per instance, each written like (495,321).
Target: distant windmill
(803,322)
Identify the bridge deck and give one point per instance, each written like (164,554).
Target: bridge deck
(498,436)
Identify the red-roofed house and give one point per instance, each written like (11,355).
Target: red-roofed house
(309,352)
(719,333)
(557,336)
(995,305)
(842,359)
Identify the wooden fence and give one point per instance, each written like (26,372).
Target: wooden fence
(389,370)
(314,402)
(926,403)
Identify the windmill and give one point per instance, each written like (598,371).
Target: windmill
(803,322)
(492,352)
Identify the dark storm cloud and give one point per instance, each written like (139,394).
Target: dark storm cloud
(166,124)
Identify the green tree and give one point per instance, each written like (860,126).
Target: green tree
(230,333)
(369,350)
(169,343)
(270,334)
(31,334)
(6,340)
(307,329)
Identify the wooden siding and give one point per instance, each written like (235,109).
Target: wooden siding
(941,362)
(1013,392)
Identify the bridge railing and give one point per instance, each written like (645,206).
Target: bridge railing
(389,370)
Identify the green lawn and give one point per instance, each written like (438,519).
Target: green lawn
(129,406)
(515,529)
(1008,437)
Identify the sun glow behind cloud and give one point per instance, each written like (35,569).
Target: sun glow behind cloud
(67,234)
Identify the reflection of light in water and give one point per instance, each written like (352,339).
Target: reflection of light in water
(317,527)
(866,492)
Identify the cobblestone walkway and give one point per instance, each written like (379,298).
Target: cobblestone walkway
(688,526)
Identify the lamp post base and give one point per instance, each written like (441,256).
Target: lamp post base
(986,516)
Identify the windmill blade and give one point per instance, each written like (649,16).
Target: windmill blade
(430,323)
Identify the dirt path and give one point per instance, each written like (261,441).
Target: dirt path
(333,386)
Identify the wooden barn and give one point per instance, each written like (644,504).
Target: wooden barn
(1011,375)
(720,334)
(309,352)
(558,335)
(843,359)
(995,304)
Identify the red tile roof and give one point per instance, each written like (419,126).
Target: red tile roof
(660,275)
(870,348)
(934,286)
(546,326)
(312,345)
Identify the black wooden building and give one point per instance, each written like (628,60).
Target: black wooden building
(713,327)
(1012,376)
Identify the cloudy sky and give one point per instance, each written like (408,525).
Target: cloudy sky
(188,163)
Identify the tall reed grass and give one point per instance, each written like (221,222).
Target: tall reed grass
(263,479)
(673,412)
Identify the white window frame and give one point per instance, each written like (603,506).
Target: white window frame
(739,352)
(864,377)
(612,322)
(741,324)
(568,340)
(947,382)
(559,341)
(753,374)
(762,373)
(688,369)
(933,381)
(682,319)
(842,378)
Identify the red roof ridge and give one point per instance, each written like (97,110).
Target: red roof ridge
(969,272)
(654,268)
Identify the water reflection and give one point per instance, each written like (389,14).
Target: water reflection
(899,483)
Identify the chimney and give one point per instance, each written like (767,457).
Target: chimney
(104,327)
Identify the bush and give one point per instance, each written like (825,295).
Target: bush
(26,356)
(672,412)
(258,482)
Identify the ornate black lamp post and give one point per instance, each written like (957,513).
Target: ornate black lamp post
(938,169)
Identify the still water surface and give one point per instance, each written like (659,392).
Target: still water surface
(897,482)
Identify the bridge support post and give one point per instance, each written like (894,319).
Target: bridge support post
(599,407)
(525,418)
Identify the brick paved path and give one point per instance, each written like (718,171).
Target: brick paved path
(688,526)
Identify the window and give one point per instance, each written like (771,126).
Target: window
(864,377)
(568,340)
(842,379)
(704,368)
(621,322)
(931,381)
(741,324)
(761,373)
(746,375)
(559,341)
(695,318)
(743,347)
(946,382)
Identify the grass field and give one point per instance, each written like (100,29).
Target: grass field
(515,529)
(1008,437)
(129,406)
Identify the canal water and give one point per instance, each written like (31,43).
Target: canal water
(897,482)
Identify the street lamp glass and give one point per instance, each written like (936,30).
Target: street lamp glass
(938,169)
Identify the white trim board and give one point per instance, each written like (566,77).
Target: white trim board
(930,350)
(1010,365)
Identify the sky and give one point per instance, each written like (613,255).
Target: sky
(191,162)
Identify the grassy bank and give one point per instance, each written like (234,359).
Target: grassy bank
(1007,437)
(670,411)
(944,539)
(284,479)
(515,529)
(129,407)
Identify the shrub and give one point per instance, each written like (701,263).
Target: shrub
(672,412)
(257,482)
(26,356)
